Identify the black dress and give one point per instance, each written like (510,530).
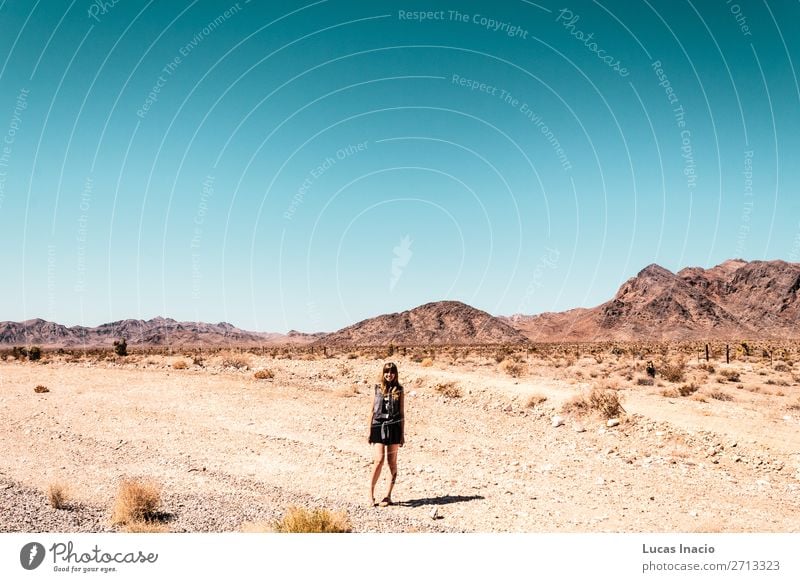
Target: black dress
(387,421)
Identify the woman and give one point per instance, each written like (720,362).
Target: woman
(387,428)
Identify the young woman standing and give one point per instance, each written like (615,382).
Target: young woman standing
(387,428)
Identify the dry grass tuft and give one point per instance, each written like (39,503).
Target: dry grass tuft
(685,390)
(673,372)
(41,389)
(237,361)
(136,504)
(301,520)
(512,368)
(426,363)
(146,527)
(179,365)
(603,401)
(257,527)
(718,395)
(707,367)
(265,374)
(57,495)
(729,375)
(535,400)
(645,382)
(449,390)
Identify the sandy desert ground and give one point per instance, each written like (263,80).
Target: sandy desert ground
(229,450)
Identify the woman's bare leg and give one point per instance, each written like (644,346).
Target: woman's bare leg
(377,465)
(391,456)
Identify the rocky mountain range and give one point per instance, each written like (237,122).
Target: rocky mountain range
(137,332)
(736,299)
(437,323)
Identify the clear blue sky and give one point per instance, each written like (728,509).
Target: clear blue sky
(306,165)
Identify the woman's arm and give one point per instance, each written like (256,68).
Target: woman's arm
(402,418)
(369,420)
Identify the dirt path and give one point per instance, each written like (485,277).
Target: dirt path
(228,449)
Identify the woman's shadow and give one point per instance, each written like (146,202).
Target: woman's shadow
(443,500)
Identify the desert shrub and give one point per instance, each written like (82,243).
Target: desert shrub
(707,367)
(34,353)
(645,381)
(781,367)
(717,395)
(603,401)
(535,400)
(730,375)
(512,368)
(794,406)
(237,361)
(151,526)
(121,347)
(197,361)
(449,389)
(502,353)
(179,365)
(265,374)
(136,503)
(673,372)
(41,389)
(688,389)
(301,520)
(427,363)
(57,496)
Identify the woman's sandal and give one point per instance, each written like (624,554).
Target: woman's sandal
(385,502)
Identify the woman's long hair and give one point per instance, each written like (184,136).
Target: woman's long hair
(390,387)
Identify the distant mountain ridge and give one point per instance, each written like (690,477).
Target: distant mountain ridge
(436,323)
(736,299)
(154,332)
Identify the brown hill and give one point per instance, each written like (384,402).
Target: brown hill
(440,322)
(737,299)
(154,332)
